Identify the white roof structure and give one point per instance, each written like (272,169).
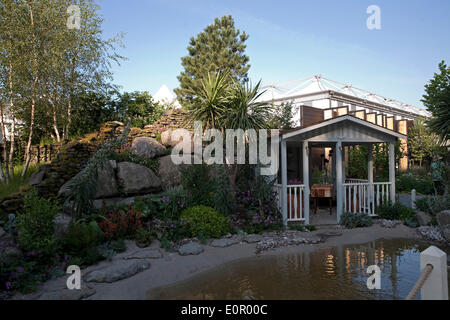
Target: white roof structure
(166,97)
(318,87)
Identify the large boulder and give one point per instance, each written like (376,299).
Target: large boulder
(36,178)
(118,271)
(137,179)
(147,147)
(423,218)
(190,248)
(169,172)
(107,186)
(62,222)
(443,217)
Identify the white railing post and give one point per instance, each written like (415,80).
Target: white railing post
(436,285)
(284,182)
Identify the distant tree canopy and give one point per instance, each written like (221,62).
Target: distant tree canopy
(437,101)
(219,48)
(422,141)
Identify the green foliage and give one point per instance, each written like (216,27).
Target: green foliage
(433,204)
(82,187)
(405,182)
(281,116)
(437,100)
(355,220)
(227,56)
(205,221)
(144,237)
(311,228)
(395,212)
(128,156)
(421,141)
(36,225)
(17,183)
(224,201)
(297,227)
(137,108)
(81,240)
(196,180)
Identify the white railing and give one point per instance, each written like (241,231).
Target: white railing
(295,202)
(365,197)
(351,180)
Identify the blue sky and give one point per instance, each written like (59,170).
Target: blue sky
(289,40)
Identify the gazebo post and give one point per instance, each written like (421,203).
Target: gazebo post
(284,182)
(339,187)
(370,178)
(306,180)
(392,170)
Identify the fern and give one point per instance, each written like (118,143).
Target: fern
(83,186)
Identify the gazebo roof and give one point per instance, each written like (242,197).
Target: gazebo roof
(346,128)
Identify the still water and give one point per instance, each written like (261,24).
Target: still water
(326,273)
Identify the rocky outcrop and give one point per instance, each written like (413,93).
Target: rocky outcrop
(169,172)
(190,248)
(150,253)
(119,271)
(430,233)
(106,185)
(137,179)
(389,223)
(423,218)
(443,219)
(224,242)
(147,147)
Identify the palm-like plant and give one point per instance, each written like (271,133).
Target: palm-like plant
(211,101)
(245,112)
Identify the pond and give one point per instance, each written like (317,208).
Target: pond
(326,273)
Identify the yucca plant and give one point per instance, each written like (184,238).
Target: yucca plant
(211,101)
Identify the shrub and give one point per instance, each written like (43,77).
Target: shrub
(256,208)
(196,180)
(144,237)
(356,220)
(82,239)
(433,204)
(407,181)
(203,221)
(36,225)
(395,212)
(121,224)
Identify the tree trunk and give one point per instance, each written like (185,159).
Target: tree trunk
(4,145)
(55,123)
(33,97)
(12,146)
(69,113)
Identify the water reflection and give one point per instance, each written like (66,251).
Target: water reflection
(327,273)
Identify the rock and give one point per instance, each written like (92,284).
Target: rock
(223,243)
(151,253)
(62,222)
(137,179)
(2,233)
(147,147)
(36,178)
(166,138)
(169,172)
(389,223)
(106,182)
(190,248)
(253,238)
(423,218)
(445,232)
(118,272)
(443,218)
(107,186)
(10,255)
(67,294)
(430,233)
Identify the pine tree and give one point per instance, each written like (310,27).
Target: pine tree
(220,47)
